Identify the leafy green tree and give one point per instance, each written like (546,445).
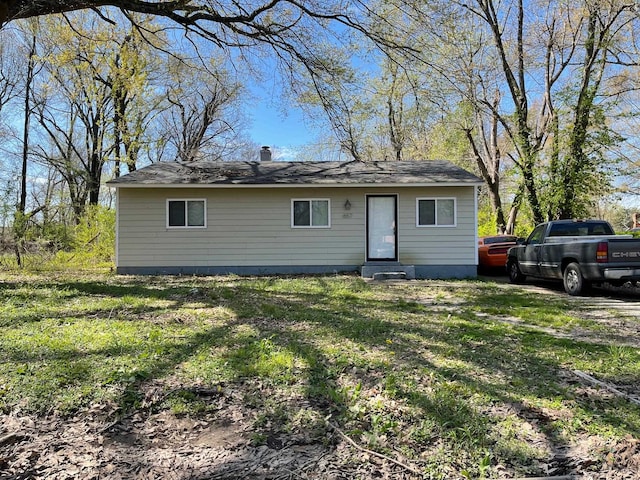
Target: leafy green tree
(74,106)
(543,81)
(94,102)
(133,102)
(403,92)
(577,174)
(404,115)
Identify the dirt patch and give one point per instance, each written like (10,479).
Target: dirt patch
(167,447)
(161,445)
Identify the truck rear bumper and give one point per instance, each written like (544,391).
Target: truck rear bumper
(622,273)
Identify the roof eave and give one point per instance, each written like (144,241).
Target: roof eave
(292,185)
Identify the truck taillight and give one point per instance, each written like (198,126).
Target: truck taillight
(602,253)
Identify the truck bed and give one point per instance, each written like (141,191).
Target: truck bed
(585,238)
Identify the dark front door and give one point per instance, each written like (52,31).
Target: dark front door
(382,231)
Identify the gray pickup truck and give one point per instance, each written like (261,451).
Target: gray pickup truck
(578,252)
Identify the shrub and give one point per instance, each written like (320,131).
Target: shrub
(89,244)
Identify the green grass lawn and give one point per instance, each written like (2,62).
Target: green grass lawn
(457,377)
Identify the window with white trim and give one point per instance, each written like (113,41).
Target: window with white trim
(436,212)
(187,213)
(310,213)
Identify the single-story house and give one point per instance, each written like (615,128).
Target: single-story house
(417,218)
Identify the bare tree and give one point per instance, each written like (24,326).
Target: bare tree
(21,216)
(202,118)
(28,85)
(9,70)
(284,25)
(330,90)
(291,30)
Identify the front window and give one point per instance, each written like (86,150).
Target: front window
(310,213)
(439,212)
(186,213)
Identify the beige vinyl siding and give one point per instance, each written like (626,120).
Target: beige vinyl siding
(437,245)
(252,227)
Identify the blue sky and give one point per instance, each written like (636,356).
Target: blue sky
(275,125)
(271,127)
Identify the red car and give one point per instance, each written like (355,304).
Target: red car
(492,251)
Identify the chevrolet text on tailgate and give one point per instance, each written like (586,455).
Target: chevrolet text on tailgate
(578,252)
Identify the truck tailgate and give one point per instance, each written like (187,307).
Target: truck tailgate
(624,250)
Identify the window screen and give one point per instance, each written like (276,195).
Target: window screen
(186,213)
(310,213)
(436,212)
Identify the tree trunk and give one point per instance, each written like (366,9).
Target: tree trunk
(19,225)
(496,205)
(489,165)
(529,182)
(513,212)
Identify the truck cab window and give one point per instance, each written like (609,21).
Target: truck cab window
(536,236)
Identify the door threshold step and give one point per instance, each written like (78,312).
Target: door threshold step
(388,271)
(390,276)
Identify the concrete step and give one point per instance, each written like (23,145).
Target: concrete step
(388,271)
(390,276)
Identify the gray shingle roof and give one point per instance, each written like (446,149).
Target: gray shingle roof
(298,173)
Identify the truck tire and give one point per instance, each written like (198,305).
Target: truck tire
(574,282)
(515,275)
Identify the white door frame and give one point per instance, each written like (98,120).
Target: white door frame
(382,231)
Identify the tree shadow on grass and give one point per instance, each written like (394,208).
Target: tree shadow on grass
(343,340)
(530,370)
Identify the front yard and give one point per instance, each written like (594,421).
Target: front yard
(311,377)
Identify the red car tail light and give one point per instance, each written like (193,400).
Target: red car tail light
(602,253)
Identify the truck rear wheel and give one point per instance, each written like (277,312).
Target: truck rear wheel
(574,282)
(515,275)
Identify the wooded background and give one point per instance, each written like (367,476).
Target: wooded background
(539,98)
